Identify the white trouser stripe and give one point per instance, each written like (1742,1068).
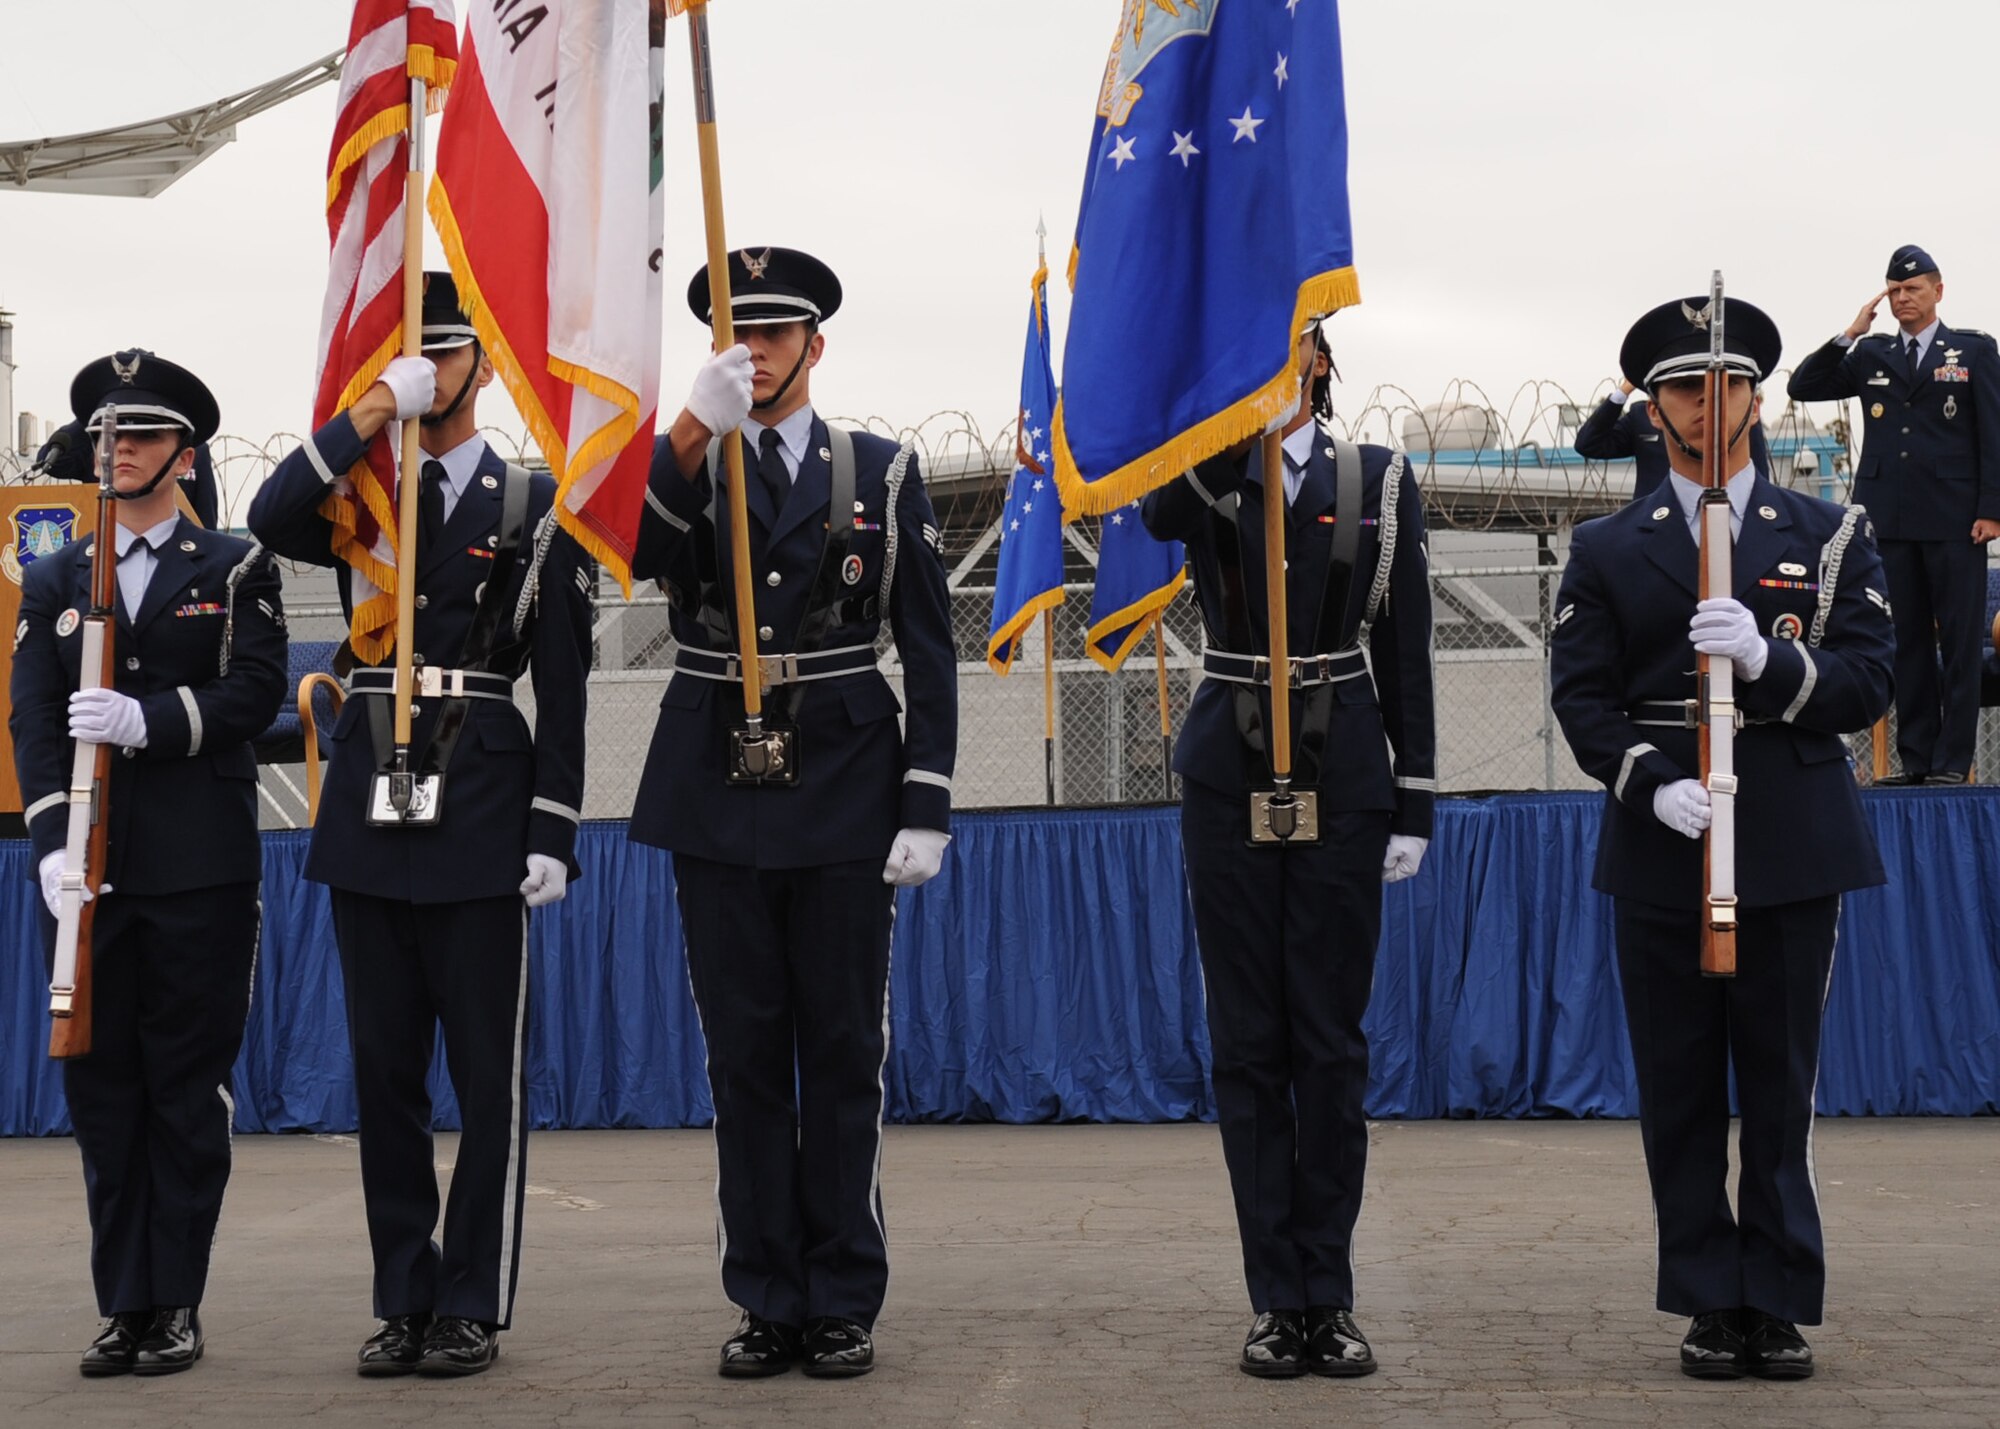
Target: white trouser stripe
(882,1092)
(511,1184)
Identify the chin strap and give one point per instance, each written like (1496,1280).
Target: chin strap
(464,391)
(1681,441)
(790,377)
(186,444)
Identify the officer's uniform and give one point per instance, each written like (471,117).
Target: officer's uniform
(203,652)
(430,920)
(1620,427)
(1930,467)
(1288,933)
(781,889)
(1621,666)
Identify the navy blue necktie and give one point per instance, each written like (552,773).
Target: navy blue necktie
(771,469)
(430,503)
(1910,358)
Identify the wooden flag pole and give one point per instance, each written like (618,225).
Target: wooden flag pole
(1166,710)
(722,324)
(400,784)
(1278,614)
(1049,705)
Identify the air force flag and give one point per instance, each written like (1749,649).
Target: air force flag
(1030,578)
(1137,578)
(1214,224)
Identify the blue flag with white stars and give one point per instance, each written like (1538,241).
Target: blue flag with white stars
(1030,578)
(1137,578)
(1214,225)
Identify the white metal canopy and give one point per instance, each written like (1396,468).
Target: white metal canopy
(141,160)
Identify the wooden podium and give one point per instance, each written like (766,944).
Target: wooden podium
(35,521)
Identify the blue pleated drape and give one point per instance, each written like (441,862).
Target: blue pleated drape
(1050,975)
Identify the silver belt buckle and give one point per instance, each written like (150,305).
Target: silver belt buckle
(430,682)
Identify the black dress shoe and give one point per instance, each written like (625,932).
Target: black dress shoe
(1774,1348)
(171,1343)
(758,1349)
(1898,781)
(1945,777)
(112,1351)
(454,1345)
(395,1347)
(1713,1348)
(1276,1346)
(1335,1345)
(837,1348)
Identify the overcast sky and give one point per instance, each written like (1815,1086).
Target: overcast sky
(1526,178)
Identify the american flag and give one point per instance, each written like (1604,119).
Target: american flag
(389,43)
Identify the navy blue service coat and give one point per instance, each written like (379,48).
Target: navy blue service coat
(860,779)
(509,792)
(209,673)
(1621,638)
(1930,449)
(1398,701)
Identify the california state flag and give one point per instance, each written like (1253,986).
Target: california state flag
(547,199)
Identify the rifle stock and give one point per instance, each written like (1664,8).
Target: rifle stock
(89,785)
(1716,734)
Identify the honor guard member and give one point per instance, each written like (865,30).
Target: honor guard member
(200,647)
(1288,931)
(787,879)
(68,456)
(1930,477)
(431,911)
(1622,428)
(1807,631)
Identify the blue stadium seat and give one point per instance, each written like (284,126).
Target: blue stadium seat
(284,741)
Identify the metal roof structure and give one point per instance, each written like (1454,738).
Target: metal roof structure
(141,160)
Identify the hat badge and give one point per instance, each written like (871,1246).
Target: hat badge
(1910,266)
(1697,317)
(755,264)
(128,372)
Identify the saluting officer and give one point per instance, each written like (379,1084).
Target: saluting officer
(1930,477)
(1620,427)
(431,914)
(200,646)
(787,883)
(1807,630)
(1288,931)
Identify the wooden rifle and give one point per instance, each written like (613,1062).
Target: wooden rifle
(89,780)
(1716,675)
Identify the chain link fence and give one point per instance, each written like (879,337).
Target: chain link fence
(1503,490)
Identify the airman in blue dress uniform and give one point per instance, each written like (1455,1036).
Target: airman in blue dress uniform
(200,649)
(1620,427)
(1288,932)
(432,918)
(787,881)
(1807,629)
(1930,477)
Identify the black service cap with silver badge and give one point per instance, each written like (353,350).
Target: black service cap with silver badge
(1672,341)
(445,323)
(151,394)
(771,285)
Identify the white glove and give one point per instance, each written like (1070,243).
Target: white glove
(1724,626)
(414,383)
(721,396)
(1683,807)
(915,857)
(547,880)
(107,717)
(1405,853)
(51,870)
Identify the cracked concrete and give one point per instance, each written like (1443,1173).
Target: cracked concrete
(1053,1276)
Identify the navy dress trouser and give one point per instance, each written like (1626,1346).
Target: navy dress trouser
(790,971)
(409,969)
(1288,939)
(151,1104)
(1688,1032)
(1937,592)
